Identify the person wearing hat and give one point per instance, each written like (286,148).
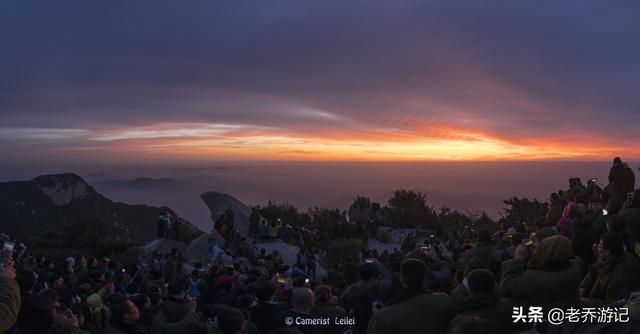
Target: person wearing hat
(96,306)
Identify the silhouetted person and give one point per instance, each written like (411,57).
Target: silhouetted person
(615,274)
(254,223)
(414,310)
(621,179)
(124,316)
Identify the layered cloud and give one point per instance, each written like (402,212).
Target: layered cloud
(328,80)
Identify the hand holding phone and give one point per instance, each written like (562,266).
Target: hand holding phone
(8,271)
(6,253)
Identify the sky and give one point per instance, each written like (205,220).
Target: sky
(162,82)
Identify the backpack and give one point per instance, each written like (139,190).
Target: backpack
(193,290)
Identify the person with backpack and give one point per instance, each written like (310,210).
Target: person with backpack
(375,281)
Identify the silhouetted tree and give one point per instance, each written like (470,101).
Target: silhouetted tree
(524,210)
(361,202)
(286,212)
(408,208)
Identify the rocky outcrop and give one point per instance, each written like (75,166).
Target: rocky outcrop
(218,203)
(199,248)
(64,188)
(49,202)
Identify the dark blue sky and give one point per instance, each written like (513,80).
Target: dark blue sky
(300,80)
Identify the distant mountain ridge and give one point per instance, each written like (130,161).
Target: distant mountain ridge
(183,197)
(40,205)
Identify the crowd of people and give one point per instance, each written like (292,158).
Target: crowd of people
(584,253)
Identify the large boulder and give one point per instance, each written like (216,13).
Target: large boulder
(289,252)
(289,255)
(199,249)
(162,247)
(218,203)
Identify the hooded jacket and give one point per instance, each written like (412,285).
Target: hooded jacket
(550,279)
(609,282)
(565,224)
(176,316)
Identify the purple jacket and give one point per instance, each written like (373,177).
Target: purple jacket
(565,224)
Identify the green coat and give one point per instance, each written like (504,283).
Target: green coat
(420,314)
(499,311)
(177,318)
(548,289)
(112,330)
(606,288)
(9,303)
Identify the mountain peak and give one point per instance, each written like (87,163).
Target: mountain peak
(63,188)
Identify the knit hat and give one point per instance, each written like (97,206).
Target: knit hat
(481,282)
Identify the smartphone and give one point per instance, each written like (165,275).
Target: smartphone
(5,254)
(528,242)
